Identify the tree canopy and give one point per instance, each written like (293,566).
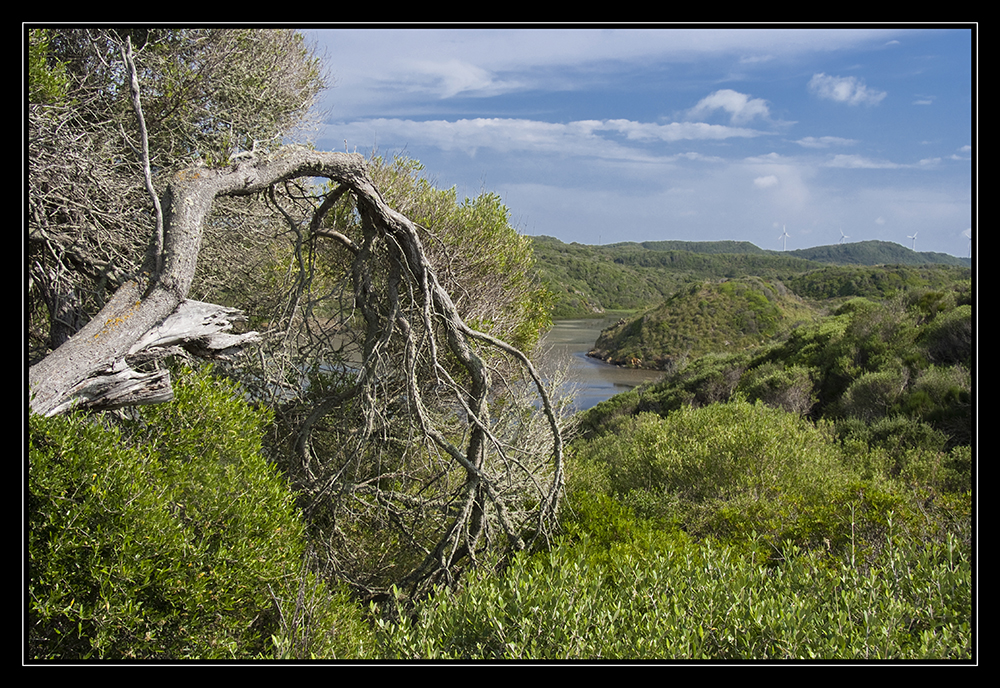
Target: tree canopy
(207,95)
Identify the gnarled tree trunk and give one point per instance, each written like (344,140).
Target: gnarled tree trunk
(150,315)
(105,345)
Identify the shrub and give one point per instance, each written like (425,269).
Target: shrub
(874,395)
(701,602)
(170,537)
(742,473)
(948,338)
(716,451)
(789,388)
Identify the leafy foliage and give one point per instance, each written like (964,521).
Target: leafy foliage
(482,260)
(875,253)
(701,467)
(878,282)
(906,355)
(701,602)
(589,279)
(380,387)
(208,95)
(794,492)
(699,319)
(731,531)
(47,80)
(170,537)
(630,276)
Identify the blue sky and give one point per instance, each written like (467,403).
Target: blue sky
(599,135)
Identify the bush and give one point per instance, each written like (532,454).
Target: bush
(716,452)
(789,388)
(874,395)
(169,537)
(701,602)
(948,338)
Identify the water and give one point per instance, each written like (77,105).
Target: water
(594,381)
(565,346)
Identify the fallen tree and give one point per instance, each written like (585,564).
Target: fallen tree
(396,441)
(150,314)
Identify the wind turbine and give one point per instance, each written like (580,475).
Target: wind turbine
(914,237)
(968,235)
(843,237)
(784,238)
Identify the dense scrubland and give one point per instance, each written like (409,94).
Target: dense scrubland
(587,280)
(803,492)
(798,485)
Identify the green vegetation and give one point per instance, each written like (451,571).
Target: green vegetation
(798,485)
(846,281)
(482,260)
(47,80)
(171,537)
(808,497)
(907,356)
(672,600)
(875,253)
(587,281)
(701,318)
(631,276)
(733,531)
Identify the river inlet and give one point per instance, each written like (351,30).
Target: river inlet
(593,380)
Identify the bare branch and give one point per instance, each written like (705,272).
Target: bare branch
(411,414)
(144,138)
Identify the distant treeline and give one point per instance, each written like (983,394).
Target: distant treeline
(588,280)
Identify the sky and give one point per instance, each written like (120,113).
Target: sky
(609,134)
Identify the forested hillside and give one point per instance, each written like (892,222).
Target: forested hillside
(910,356)
(588,280)
(876,253)
(700,318)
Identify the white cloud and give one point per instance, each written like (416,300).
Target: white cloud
(824,142)
(451,77)
(847,89)
(765,182)
(676,131)
(698,157)
(600,138)
(861,162)
(741,107)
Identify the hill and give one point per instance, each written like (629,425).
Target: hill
(876,253)
(693,246)
(704,317)
(872,252)
(588,280)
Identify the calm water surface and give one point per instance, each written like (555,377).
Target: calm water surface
(568,343)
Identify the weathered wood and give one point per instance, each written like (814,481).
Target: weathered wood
(201,328)
(95,367)
(141,305)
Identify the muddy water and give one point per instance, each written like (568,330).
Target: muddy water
(568,343)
